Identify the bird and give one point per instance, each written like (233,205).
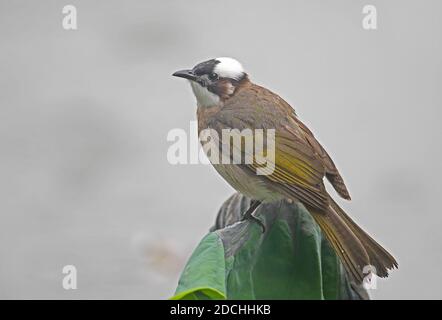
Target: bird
(227,98)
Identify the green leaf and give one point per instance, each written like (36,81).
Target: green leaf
(291,260)
(204,275)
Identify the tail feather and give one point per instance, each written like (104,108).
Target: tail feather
(355,247)
(346,245)
(379,257)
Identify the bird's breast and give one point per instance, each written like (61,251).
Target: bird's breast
(250,185)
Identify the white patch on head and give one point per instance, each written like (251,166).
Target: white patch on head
(204,97)
(229,68)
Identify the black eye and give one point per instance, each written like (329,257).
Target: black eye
(213,76)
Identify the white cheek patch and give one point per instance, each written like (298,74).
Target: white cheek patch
(229,68)
(204,97)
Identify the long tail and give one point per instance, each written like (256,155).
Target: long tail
(354,246)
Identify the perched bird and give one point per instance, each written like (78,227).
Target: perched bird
(226,98)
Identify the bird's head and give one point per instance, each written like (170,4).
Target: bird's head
(215,80)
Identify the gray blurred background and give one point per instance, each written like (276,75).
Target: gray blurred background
(84,116)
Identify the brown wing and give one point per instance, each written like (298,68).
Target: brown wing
(300,164)
(331,172)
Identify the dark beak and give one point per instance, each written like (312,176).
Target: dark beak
(186,74)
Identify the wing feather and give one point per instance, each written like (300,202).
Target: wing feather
(300,162)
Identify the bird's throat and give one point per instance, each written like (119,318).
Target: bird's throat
(204,97)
